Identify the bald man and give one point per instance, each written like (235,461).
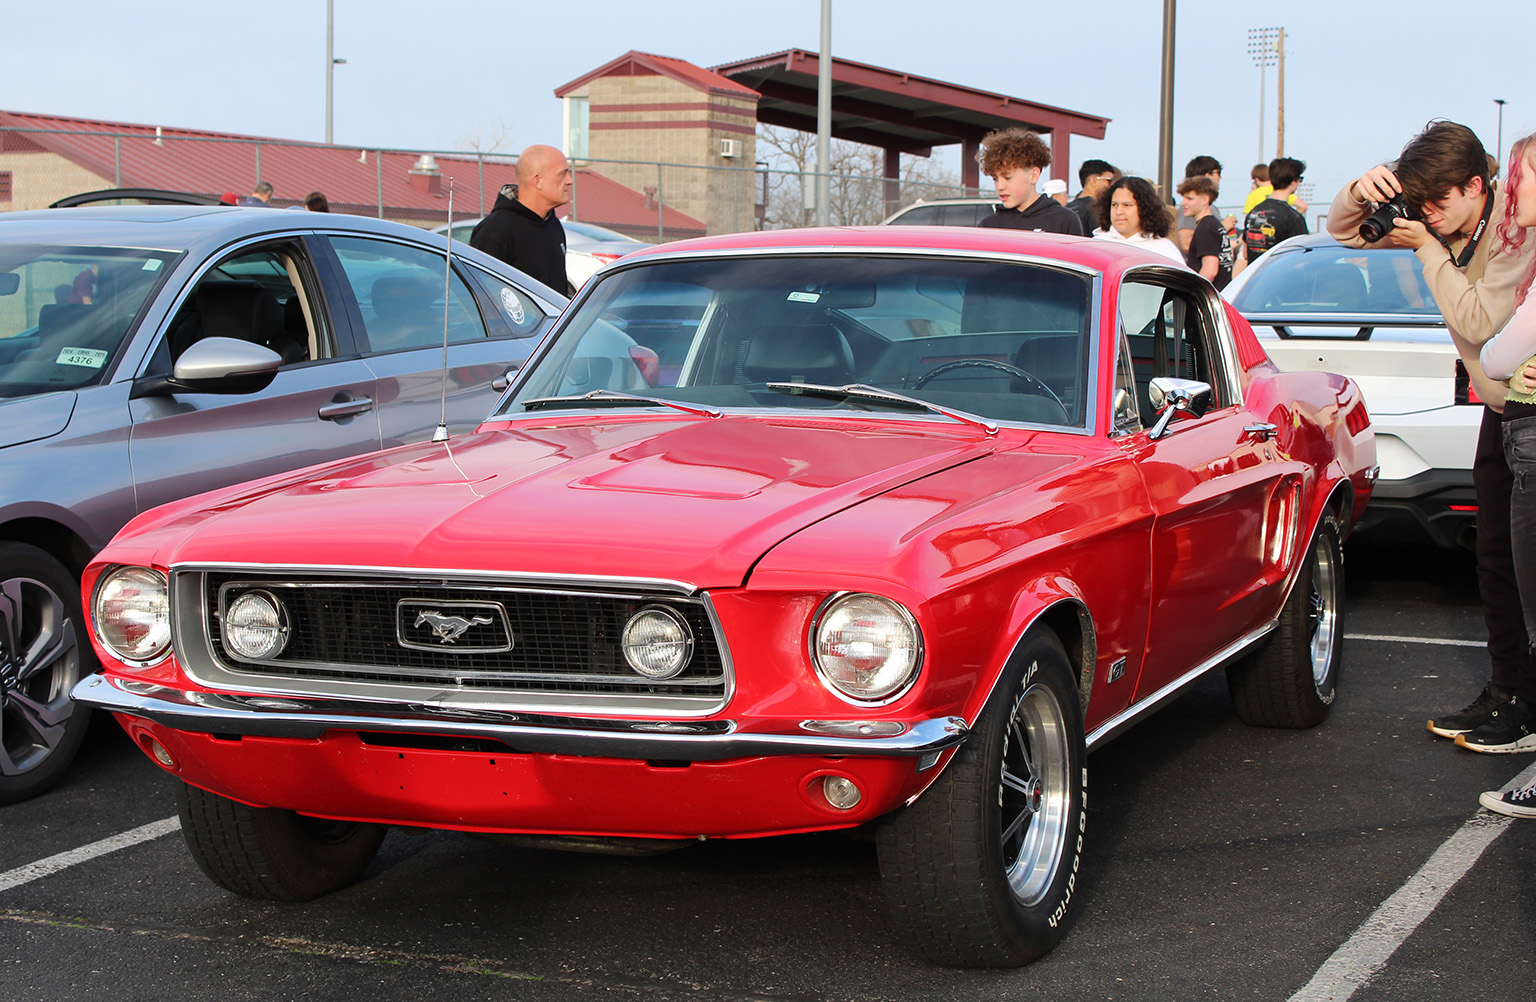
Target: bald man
(522,229)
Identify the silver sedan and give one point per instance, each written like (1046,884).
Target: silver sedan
(151,353)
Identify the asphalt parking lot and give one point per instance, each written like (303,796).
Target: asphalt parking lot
(1225,862)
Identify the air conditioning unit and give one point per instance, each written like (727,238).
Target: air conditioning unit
(730,147)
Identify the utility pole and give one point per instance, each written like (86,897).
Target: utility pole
(1498,151)
(331,62)
(1280,95)
(824,120)
(1165,179)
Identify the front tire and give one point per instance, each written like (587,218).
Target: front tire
(43,653)
(1292,679)
(980,870)
(265,852)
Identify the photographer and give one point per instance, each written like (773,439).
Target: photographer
(1437,200)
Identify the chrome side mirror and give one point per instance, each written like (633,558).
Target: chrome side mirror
(1172,396)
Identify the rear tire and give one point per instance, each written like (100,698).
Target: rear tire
(264,852)
(44,651)
(1292,679)
(979,871)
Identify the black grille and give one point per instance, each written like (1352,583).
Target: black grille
(561,642)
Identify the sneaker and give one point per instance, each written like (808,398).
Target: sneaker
(1511,728)
(1472,715)
(1519,803)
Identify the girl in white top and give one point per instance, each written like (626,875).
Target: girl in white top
(1130,211)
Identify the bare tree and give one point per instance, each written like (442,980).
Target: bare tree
(857,184)
(490,139)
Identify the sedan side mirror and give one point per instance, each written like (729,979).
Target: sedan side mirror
(1170,396)
(216,365)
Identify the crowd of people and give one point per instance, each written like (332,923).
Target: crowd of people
(1112,206)
(1471,237)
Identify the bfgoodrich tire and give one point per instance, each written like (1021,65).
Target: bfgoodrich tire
(263,852)
(43,653)
(1291,680)
(980,870)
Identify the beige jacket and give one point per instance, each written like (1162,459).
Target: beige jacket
(1476,302)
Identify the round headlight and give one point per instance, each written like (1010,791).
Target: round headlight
(132,612)
(256,626)
(657,643)
(866,647)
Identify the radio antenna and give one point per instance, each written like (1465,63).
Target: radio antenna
(441,434)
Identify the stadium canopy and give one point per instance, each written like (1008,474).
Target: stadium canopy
(902,112)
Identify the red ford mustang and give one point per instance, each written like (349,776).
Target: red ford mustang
(776,532)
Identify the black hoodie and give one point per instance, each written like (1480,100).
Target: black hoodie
(534,246)
(1044,213)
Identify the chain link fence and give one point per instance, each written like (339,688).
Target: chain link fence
(648,200)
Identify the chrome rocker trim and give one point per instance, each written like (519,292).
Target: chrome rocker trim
(216,713)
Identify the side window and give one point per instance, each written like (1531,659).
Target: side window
(521,312)
(1127,412)
(1168,334)
(258,295)
(399,291)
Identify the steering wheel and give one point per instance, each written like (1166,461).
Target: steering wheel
(1032,384)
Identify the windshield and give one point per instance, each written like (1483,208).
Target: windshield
(1336,279)
(65,312)
(1004,341)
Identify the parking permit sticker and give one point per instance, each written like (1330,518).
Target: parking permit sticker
(514,308)
(153,264)
(91,358)
(804,297)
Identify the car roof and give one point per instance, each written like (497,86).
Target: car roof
(1102,255)
(203,228)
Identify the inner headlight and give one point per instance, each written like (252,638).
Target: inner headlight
(132,614)
(256,626)
(657,643)
(866,647)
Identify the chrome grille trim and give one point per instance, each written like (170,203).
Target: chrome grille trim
(441,676)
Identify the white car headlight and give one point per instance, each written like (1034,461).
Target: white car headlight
(866,647)
(132,614)
(657,643)
(256,626)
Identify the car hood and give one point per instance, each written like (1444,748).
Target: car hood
(27,419)
(693,500)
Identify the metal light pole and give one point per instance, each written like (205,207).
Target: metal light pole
(1165,179)
(1261,46)
(331,62)
(1498,151)
(824,119)
(1280,95)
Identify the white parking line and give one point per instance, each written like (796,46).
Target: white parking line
(1443,642)
(1363,956)
(53,864)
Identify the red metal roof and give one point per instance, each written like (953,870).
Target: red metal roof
(639,64)
(210,163)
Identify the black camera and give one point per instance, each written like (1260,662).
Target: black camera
(1379,223)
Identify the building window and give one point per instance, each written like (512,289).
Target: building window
(5,186)
(577,116)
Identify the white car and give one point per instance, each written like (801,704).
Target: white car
(1367,314)
(588,247)
(943,212)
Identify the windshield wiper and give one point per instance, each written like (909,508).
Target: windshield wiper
(863,391)
(613,398)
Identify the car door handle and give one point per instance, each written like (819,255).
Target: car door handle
(345,408)
(1262,431)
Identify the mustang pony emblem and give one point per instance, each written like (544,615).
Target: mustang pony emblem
(450,628)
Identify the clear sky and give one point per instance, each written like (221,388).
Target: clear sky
(1361,75)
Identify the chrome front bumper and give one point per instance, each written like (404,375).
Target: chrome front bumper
(674,740)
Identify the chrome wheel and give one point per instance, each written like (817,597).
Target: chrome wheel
(1323,609)
(39,663)
(1034,794)
(981,869)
